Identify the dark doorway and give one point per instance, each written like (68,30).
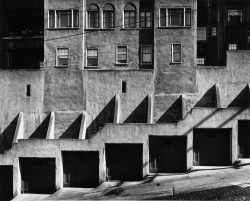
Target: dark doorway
(124,161)
(80,169)
(167,154)
(244,139)
(212,147)
(6,182)
(38,175)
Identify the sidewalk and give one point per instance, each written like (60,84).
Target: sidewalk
(161,186)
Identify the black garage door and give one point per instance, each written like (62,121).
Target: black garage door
(38,175)
(81,169)
(124,161)
(167,154)
(212,147)
(6,182)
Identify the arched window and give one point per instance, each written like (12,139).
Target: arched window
(108,16)
(93,16)
(129,16)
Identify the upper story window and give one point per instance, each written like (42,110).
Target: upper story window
(92,57)
(200,61)
(213,31)
(146,54)
(129,16)
(145,19)
(62,57)
(235,15)
(122,55)
(63,18)
(93,16)
(175,17)
(232,46)
(108,16)
(176,53)
(202,33)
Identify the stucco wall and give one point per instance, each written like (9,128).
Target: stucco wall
(170,77)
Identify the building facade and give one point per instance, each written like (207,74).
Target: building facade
(93,91)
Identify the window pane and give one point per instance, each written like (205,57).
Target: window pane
(132,19)
(176,47)
(76,18)
(201,33)
(92,53)
(235,15)
(63,56)
(188,17)
(146,58)
(63,19)
(108,19)
(142,19)
(176,17)
(126,19)
(177,57)
(92,57)
(93,19)
(163,17)
(148,19)
(51,19)
(122,54)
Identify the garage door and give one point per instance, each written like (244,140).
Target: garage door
(212,147)
(167,154)
(124,161)
(38,175)
(6,182)
(81,169)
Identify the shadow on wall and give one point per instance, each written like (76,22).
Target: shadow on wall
(173,113)
(41,130)
(105,116)
(242,99)
(140,114)
(7,136)
(73,130)
(209,99)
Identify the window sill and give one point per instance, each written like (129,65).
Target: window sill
(66,66)
(175,27)
(107,29)
(91,67)
(173,63)
(146,28)
(121,64)
(93,29)
(63,28)
(128,29)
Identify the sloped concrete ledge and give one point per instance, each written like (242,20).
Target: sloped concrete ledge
(19,132)
(82,133)
(51,127)
(117,109)
(150,109)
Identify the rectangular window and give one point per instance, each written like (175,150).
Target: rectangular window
(201,61)
(176,53)
(146,52)
(93,19)
(63,18)
(92,57)
(124,87)
(175,17)
(232,46)
(213,31)
(202,33)
(121,55)
(62,57)
(145,19)
(129,19)
(108,19)
(235,15)
(163,17)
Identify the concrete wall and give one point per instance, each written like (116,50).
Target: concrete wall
(68,38)
(170,77)
(106,40)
